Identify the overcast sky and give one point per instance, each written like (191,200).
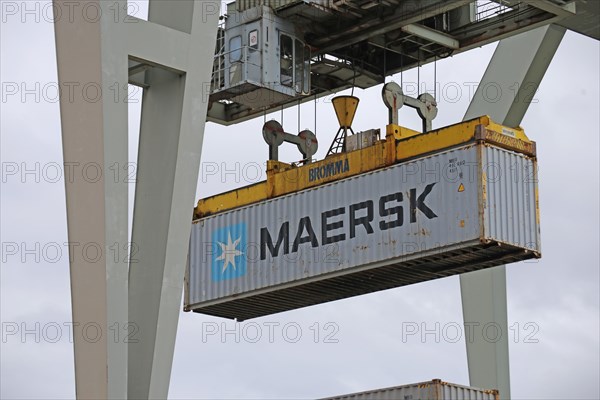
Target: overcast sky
(553,304)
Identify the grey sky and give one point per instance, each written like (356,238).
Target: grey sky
(553,304)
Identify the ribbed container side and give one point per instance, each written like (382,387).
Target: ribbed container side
(432,390)
(510,206)
(432,217)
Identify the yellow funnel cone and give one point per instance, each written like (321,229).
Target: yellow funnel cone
(345,108)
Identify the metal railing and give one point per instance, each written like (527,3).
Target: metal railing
(488,9)
(220,71)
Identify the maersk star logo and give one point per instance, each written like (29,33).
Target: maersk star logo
(229,260)
(228,252)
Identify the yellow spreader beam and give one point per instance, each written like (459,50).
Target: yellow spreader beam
(400,144)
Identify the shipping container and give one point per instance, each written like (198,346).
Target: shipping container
(460,209)
(432,390)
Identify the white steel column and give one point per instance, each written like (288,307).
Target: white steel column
(172,128)
(92,72)
(95,40)
(504,93)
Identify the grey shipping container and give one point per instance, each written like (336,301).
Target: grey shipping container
(455,211)
(432,390)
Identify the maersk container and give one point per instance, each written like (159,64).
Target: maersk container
(456,211)
(432,390)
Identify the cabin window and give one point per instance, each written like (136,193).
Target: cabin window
(235,48)
(286,51)
(306,71)
(299,65)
